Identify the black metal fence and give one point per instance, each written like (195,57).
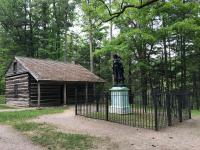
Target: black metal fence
(151,110)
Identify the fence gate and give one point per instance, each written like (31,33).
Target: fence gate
(150,110)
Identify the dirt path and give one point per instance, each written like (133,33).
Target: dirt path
(185,136)
(10,139)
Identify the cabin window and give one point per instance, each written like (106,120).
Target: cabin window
(15,67)
(16,90)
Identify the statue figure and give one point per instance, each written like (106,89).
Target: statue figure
(118,70)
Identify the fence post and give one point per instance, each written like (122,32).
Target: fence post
(76,100)
(189,106)
(97,103)
(155,110)
(169,117)
(107,105)
(180,107)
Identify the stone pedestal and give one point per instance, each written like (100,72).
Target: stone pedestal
(120,100)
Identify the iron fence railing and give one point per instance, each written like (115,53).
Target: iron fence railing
(152,110)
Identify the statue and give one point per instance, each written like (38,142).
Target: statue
(119,92)
(118,70)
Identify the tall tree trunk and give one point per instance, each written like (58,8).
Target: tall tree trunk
(91,52)
(183,62)
(32,49)
(90,42)
(111,36)
(25,28)
(195,93)
(66,29)
(143,75)
(165,57)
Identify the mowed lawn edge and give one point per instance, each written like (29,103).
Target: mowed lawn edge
(44,134)
(12,117)
(4,106)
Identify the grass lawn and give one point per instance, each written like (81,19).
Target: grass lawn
(44,134)
(47,136)
(19,116)
(195,112)
(136,119)
(4,106)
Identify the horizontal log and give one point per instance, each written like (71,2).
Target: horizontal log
(13,94)
(19,88)
(17,99)
(19,92)
(19,84)
(17,76)
(16,81)
(19,104)
(19,95)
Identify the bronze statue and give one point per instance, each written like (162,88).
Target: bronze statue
(118,70)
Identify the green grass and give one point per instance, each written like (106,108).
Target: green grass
(4,106)
(195,112)
(134,119)
(2,99)
(47,136)
(19,116)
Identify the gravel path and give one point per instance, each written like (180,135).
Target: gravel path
(184,136)
(10,139)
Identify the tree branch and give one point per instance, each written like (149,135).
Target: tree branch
(123,8)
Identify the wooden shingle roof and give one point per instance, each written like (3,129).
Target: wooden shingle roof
(49,70)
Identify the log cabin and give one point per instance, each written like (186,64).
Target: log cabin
(35,82)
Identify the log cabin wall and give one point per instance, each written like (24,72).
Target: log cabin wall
(19,70)
(17,90)
(51,93)
(22,87)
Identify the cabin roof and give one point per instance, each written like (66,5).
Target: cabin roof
(49,70)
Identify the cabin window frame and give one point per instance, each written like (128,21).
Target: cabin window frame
(16,92)
(15,67)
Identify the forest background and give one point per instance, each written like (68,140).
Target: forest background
(159,44)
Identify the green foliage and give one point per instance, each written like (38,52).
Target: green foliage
(159,44)
(2,99)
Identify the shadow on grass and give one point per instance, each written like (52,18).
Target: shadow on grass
(47,136)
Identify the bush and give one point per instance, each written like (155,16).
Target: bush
(2,99)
